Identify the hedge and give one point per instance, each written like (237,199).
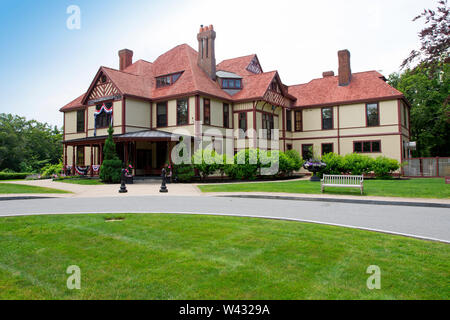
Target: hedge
(357,164)
(13,175)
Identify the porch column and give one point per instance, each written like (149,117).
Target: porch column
(125,146)
(92,162)
(101,154)
(74,150)
(65,158)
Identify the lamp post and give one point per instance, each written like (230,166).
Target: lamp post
(163,182)
(123,187)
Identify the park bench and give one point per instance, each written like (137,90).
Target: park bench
(331,180)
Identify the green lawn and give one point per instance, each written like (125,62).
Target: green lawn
(82,181)
(166,256)
(413,188)
(22,188)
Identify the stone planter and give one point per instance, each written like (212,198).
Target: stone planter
(314,167)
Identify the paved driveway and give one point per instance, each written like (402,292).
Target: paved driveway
(422,222)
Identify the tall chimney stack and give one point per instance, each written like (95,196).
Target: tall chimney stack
(125,58)
(206,50)
(345,73)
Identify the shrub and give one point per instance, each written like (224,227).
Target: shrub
(111,167)
(13,175)
(51,169)
(383,167)
(206,161)
(183,172)
(335,164)
(357,164)
(246,165)
(295,156)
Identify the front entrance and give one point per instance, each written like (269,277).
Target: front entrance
(161,154)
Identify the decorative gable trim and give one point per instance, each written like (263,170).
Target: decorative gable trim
(101,89)
(254,66)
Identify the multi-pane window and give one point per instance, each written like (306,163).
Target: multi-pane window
(405,116)
(267,124)
(327,148)
(182,112)
(80,121)
(298,120)
(372,114)
(167,80)
(242,124)
(231,83)
(367,146)
(161,114)
(288,120)
(226,115)
(103,120)
(206,111)
(327,118)
(80,156)
(307,151)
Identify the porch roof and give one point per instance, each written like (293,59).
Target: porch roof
(148,135)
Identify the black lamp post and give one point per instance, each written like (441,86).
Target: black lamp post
(123,187)
(163,182)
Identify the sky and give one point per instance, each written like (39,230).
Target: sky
(44,64)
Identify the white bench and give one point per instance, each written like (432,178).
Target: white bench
(331,180)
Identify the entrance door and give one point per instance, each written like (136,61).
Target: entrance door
(161,154)
(144,161)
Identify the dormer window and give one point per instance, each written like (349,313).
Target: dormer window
(167,80)
(231,83)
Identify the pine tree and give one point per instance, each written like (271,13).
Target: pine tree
(111,167)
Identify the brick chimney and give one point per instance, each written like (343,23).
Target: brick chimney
(345,73)
(206,51)
(125,58)
(328,74)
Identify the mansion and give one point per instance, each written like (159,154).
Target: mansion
(229,104)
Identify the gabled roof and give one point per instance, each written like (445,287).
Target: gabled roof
(364,86)
(74,104)
(193,79)
(237,65)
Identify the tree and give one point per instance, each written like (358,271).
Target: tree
(111,167)
(434,38)
(28,145)
(428,94)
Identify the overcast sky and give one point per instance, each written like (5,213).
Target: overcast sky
(44,65)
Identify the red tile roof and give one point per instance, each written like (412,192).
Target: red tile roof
(364,86)
(237,65)
(138,80)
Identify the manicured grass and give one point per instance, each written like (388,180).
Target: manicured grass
(82,181)
(165,256)
(413,188)
(22,188)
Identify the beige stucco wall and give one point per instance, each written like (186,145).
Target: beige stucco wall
(137,114)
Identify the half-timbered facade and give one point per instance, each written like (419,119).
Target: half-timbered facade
(230,106)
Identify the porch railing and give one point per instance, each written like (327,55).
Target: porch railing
(426,167)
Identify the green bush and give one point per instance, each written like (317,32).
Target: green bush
(111,170)
(111,167)
(383,167)
(13,175)
(206,161)
(295,156)
(51,169)
(183,172)
(335,164)
(246,165)
(357,164)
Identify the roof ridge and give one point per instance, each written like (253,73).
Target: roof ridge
(112,69)
(253,54)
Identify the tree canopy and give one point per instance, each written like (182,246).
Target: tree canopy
(28,145)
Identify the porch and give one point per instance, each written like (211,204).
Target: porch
(147,151)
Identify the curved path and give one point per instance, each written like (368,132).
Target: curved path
(420,222)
